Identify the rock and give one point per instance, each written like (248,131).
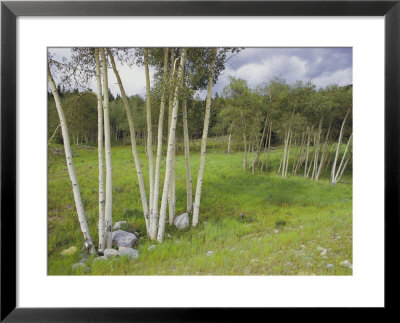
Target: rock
(99,258)
(121,248)
(75,266)
(130,252)
(82,261)
(69,251)
(303,246)
(169,236)
(329,266)
(117,225)
(182,221)
(210,253)
(151,247)
(276,231)
(323,252)
(123,239)
(320,249)
(87,269)
(109,253)
(345,263)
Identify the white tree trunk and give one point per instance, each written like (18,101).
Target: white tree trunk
(171,196)
(333,171)
(171,139)
(107,140)
(189,201)
(71,170)
(204,143)
(149,134)
(342,166)
(100,147)
(133,143)
(153,222)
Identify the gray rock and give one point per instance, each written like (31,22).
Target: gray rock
(122,238)
(130,252)
(151,247)
(117,225)
(345,263)
(276,231)
(109,253)
(182,221)
(329,266)
(69,251)
(210,253)
(83,260)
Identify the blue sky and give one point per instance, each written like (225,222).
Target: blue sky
(322,66)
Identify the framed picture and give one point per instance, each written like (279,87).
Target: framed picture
(364,34)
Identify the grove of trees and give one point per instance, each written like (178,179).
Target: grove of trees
(312,127)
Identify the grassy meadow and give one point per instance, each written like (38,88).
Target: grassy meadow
(307,215)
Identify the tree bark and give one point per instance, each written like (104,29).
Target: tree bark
(338,149)
(171,139)
(204,143)
(107,140)
(153,222)
(100,147)
(189,201)
(70,165)
(171,192)
(133,143)
(149,134)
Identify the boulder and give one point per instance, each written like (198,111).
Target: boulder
(182,221)
(69,251)
(117,225)
(122,238)
(130,252)
(345,263)
(109,253)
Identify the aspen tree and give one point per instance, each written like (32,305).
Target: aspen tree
(71,169)
(149,133)
(171,139)
(171,192)
(100,147)
(153,222)
(133,143)
(107,145)
(204,143)
(189,201)
(338,149)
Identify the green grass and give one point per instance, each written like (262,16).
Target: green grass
(307,214)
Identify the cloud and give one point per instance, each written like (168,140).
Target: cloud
(322,66)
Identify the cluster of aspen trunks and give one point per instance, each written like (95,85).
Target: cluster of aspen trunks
(155,216)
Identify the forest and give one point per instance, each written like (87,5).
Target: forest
(254,180)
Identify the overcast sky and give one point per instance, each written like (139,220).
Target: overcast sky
(322,66)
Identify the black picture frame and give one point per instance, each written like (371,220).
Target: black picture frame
(10,10)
